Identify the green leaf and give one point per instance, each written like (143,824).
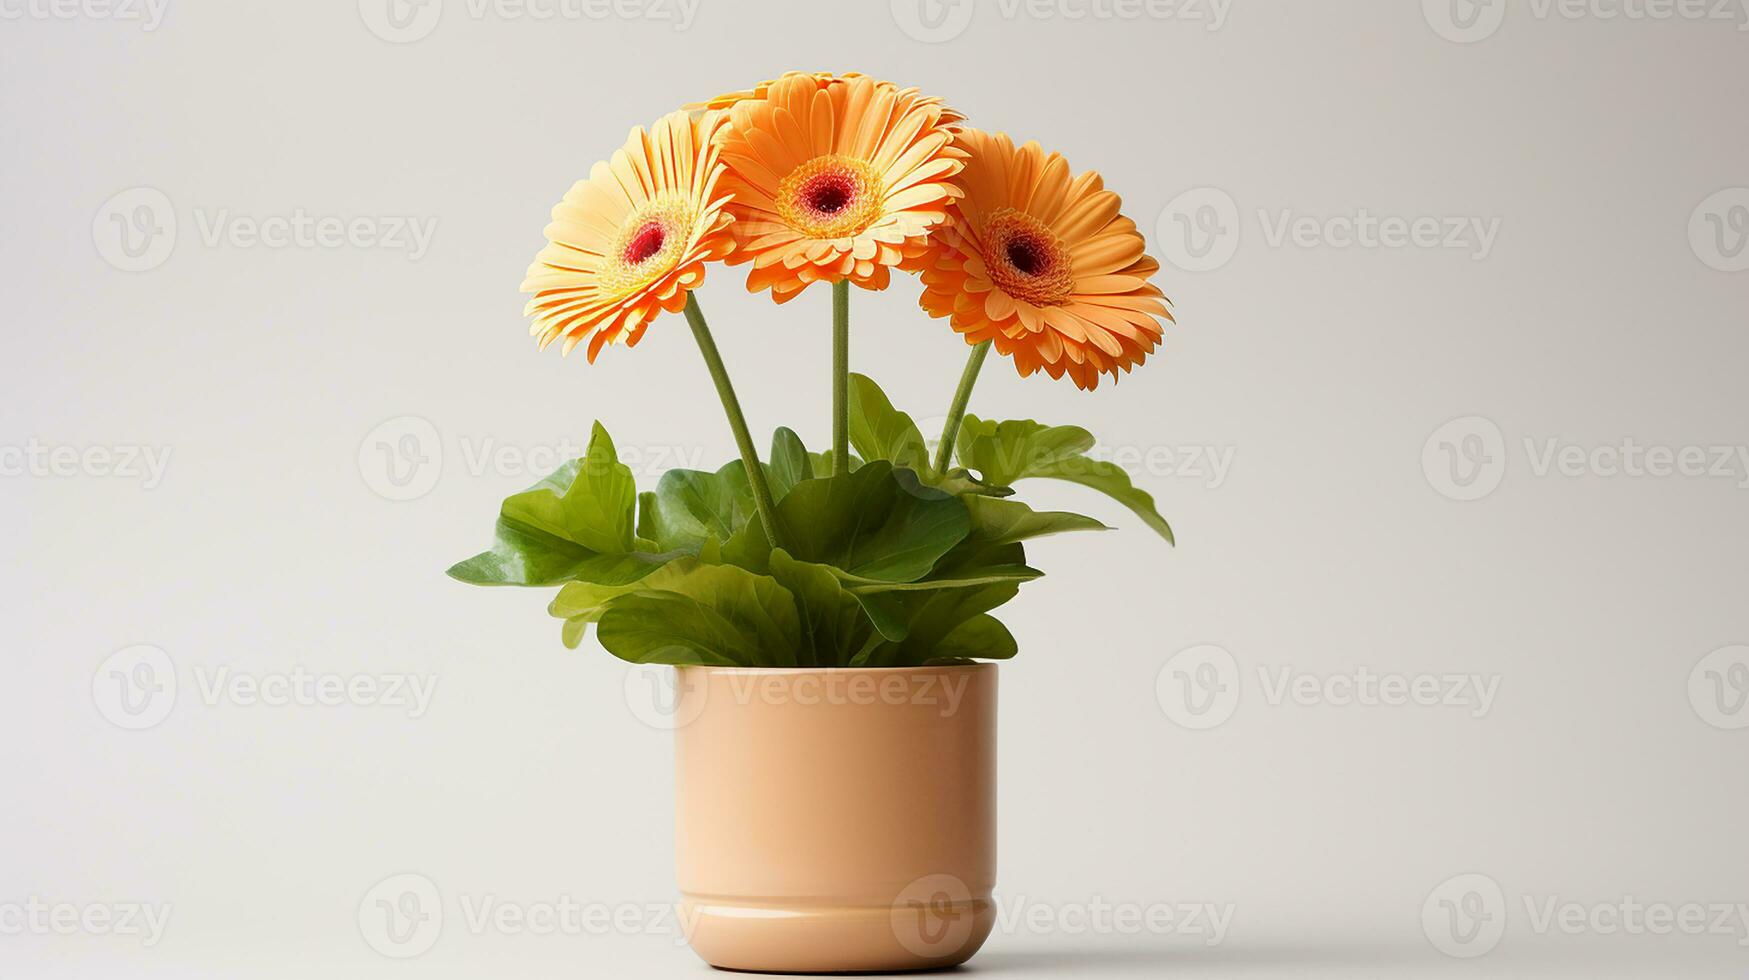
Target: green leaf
(524,557)
(582,603)
(589,501)
(983,637)
(974,562)
(991,553)
(713,614)
(789,463)
(668,628)
(1111,480)
(1004,452)
(576,524)
(822,463)
(969,563)
(961,482)
(573,631)
(988,574)
(876,523)
(690,506)
(833,628)
(885,612)
(711,552)
(1007,521)
(932,617)
(880,431)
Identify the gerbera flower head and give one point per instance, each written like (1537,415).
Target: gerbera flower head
(632,240)
(835,178)
(949,115)
(1043,265)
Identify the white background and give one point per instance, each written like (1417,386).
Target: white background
(1604,311)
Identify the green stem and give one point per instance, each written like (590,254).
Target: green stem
(956,413)
(707,346)
(841,377)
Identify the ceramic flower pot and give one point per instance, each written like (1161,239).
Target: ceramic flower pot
(836,820)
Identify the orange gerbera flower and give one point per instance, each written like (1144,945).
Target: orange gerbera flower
(727,100)
(1044,266)
(632,240)
(835,178)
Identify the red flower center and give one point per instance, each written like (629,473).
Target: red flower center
(828,193)
(830,197)
(1025,259)
(647,242)
(1029,255)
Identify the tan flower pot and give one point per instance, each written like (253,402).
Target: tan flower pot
(839,820)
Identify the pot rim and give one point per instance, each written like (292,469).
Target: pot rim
(980,667)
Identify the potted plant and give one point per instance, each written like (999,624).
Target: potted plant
(830,613)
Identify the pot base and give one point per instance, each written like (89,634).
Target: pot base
(825,938)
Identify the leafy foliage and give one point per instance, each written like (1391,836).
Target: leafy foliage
(712,614)
(575,525)
(880,431)
(1007,452)
(875,524)
(893,564)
